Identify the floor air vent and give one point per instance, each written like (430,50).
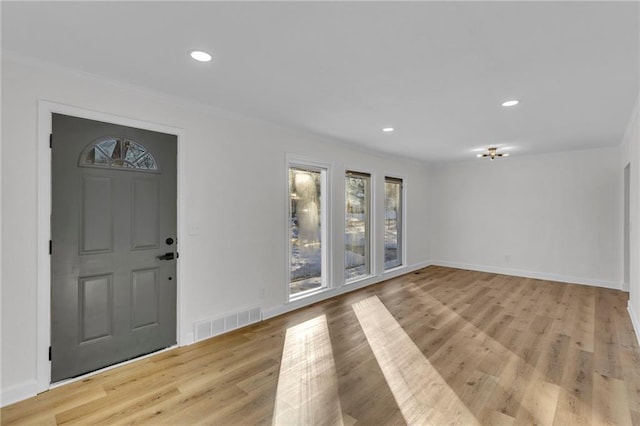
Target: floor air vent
(212,327)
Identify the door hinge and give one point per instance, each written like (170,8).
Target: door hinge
(49,353)
(50,140)
(50,247)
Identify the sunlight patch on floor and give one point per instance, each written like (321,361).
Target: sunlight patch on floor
(308,384)
(539,401)
(422,395)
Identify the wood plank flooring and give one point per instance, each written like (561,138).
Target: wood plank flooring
(436,346)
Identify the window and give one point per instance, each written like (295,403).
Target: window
(307,229)
(356,229)
(392,222)
(119,153)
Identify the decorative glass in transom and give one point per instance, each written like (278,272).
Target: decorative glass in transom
(118,153)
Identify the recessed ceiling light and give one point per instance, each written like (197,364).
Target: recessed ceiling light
(388,129)
(201,56)
(512,102)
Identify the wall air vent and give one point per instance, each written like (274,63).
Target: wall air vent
(211,327)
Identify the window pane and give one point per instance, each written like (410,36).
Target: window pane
(305,229)
(392,223)
(356,250)
(133,151)
(108,146)
(146,162)
(95,156)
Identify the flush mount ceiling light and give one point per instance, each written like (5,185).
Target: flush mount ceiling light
(201,56)
(388,129)
(492,153)
(510,103)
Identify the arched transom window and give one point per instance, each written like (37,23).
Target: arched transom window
(118,153)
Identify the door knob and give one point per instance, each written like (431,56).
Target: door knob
(167,256)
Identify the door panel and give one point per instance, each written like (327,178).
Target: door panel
(145,212)
(96,307)
(145,298)
(113,207)
(97,232)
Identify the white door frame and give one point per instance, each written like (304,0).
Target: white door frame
(43,231)
(626,238)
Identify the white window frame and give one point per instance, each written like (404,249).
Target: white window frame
(403,225)
(371,223)
(325,217)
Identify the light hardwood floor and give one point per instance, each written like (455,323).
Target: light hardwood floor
(436,346)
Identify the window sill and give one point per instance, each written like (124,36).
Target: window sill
(359,279)
(308,293)
(394,269)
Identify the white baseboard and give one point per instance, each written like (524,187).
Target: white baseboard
(335,291)
(188,339)
(531,274)
(18,392)
(634,320)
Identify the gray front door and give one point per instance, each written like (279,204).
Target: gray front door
(113,225)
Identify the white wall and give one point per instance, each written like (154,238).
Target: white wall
(233,187)
(556,216)
(630,154)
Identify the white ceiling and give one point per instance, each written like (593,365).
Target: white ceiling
(436,71)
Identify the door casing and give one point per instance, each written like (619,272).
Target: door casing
(43,232)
